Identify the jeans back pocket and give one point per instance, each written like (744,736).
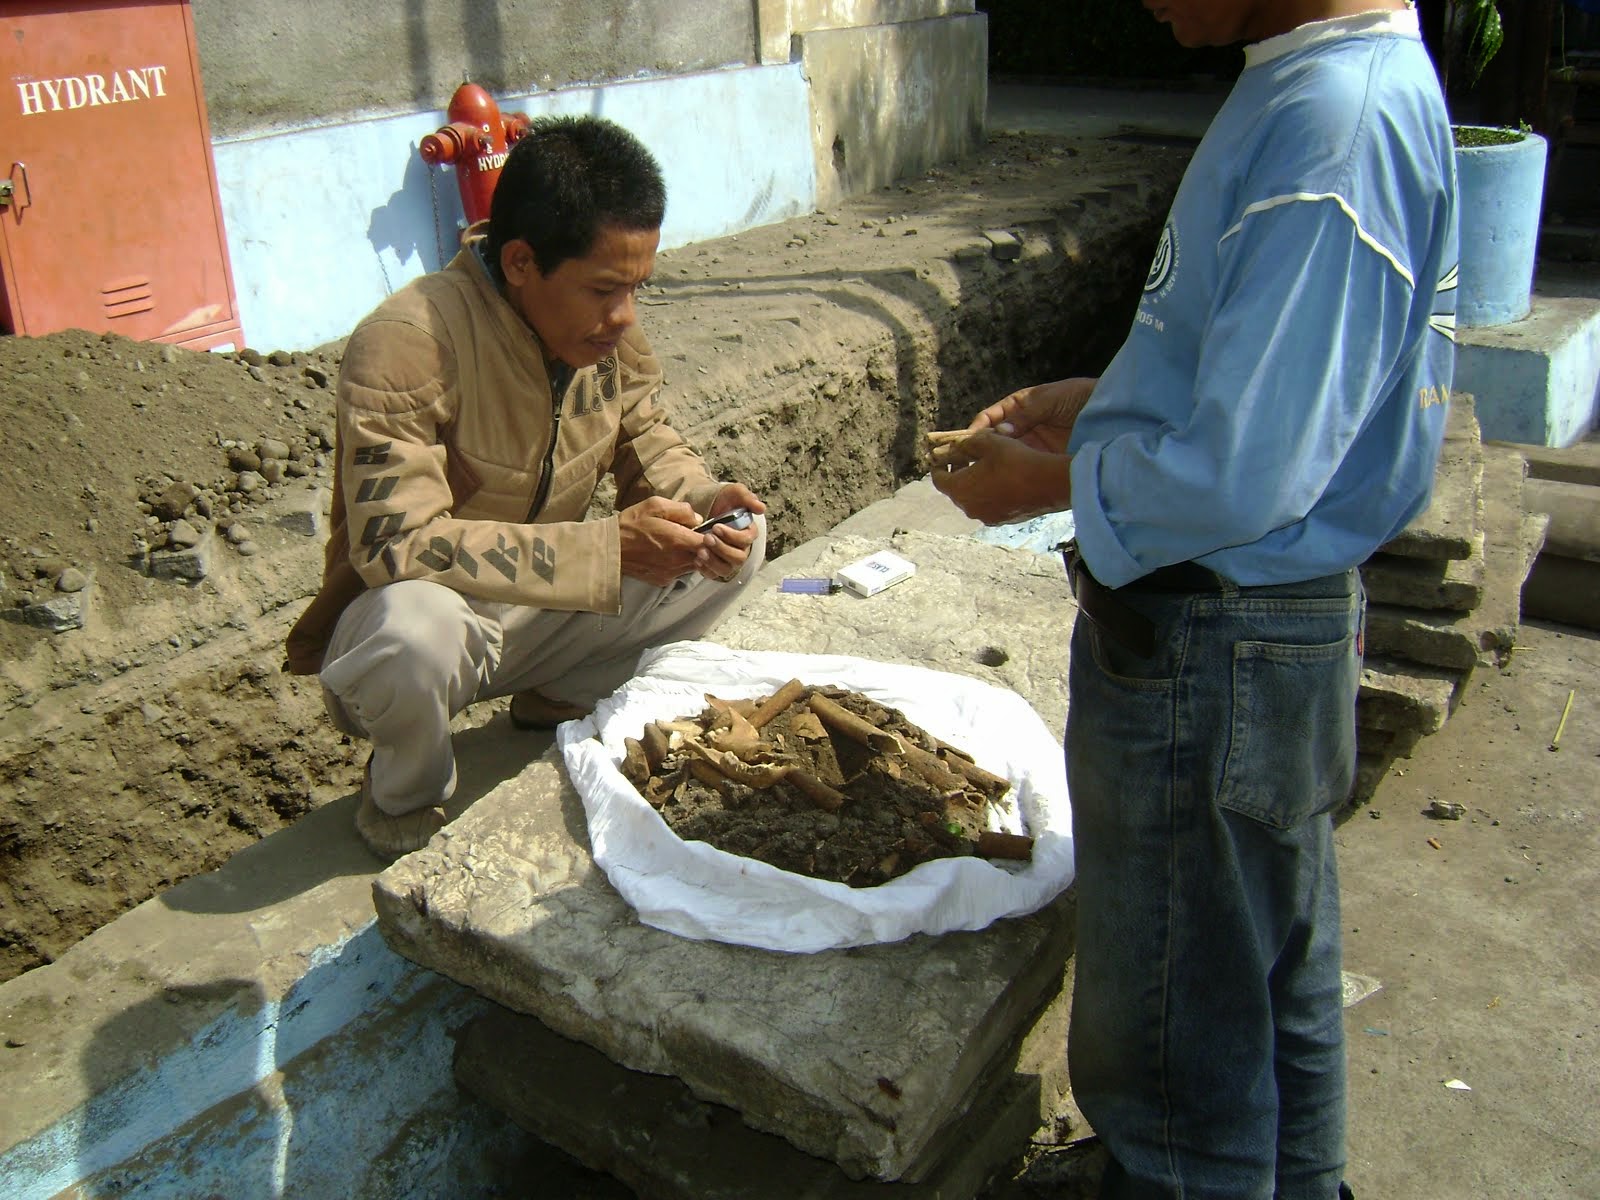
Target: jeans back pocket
(1291,754)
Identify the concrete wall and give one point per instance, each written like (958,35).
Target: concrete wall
(758,110)
(890,101)
(288,63)
(322,223)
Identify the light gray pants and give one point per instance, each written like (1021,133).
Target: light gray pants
(408,656)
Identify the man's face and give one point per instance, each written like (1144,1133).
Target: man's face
(582,308)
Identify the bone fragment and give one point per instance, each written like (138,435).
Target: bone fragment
(655,743)
(1005,845)
(777,702)
(635,763)
(823,796)
(735,768)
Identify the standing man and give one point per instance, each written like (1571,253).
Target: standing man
(478,409)
(1273,417)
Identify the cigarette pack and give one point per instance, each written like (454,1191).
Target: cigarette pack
(870,575)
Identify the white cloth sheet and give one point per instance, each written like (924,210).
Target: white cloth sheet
(697,891)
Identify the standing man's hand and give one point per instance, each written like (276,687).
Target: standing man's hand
(1010,463)
(1041,416)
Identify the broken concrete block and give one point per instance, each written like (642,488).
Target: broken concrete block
(1003,245)
(1448,527)
(189,565)
(302,512)
(1453,584)
(1397,695)
(63,611)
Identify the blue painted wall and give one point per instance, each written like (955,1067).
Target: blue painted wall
(323,223)
(341,1089)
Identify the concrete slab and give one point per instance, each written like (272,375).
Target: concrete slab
(1512,539)
(861,1057)
(1453,584)
(1448,527)
(1536,380)
(1578,463)
(651,1132)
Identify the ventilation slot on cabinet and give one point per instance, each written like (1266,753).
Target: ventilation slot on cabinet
(125,297)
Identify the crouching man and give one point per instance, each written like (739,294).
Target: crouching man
(478,409)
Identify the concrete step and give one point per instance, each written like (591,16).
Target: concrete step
(1564,590)
(1448,528)
(1578,463)
(1512,540)
(1574,510)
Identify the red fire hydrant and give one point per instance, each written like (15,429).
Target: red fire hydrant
(475,143)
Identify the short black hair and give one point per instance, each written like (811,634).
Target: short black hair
(566,179)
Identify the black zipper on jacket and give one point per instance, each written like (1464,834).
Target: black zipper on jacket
(558,401)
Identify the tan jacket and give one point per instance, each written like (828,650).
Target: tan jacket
(445,424)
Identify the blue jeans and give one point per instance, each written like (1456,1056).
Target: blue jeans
(1207,1039)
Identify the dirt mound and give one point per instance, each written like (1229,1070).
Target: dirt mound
(114,448)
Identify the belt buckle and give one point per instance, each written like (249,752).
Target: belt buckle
(1069,560)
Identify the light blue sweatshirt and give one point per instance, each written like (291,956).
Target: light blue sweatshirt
(1277,409)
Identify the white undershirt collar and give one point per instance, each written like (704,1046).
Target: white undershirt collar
(1394,21)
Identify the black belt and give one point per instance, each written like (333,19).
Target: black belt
(1135,631)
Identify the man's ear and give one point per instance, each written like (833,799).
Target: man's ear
(517,262)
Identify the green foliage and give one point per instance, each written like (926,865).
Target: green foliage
(1107,39)
(1472,136)
(1474,34)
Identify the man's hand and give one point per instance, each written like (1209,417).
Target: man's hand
(659,542)
(1041,416)
(723,550)
(998,480)
(1010,463)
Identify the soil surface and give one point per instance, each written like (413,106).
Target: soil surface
(166,501)
(125,459)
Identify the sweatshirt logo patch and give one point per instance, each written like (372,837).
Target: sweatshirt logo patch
(1165,261)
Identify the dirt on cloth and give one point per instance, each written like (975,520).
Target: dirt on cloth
(821,782)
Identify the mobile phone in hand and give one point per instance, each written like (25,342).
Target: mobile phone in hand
(735,518)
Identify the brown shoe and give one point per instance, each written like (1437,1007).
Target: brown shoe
(534,710)
(390,836)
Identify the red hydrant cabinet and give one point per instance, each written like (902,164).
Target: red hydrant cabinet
(109,213)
